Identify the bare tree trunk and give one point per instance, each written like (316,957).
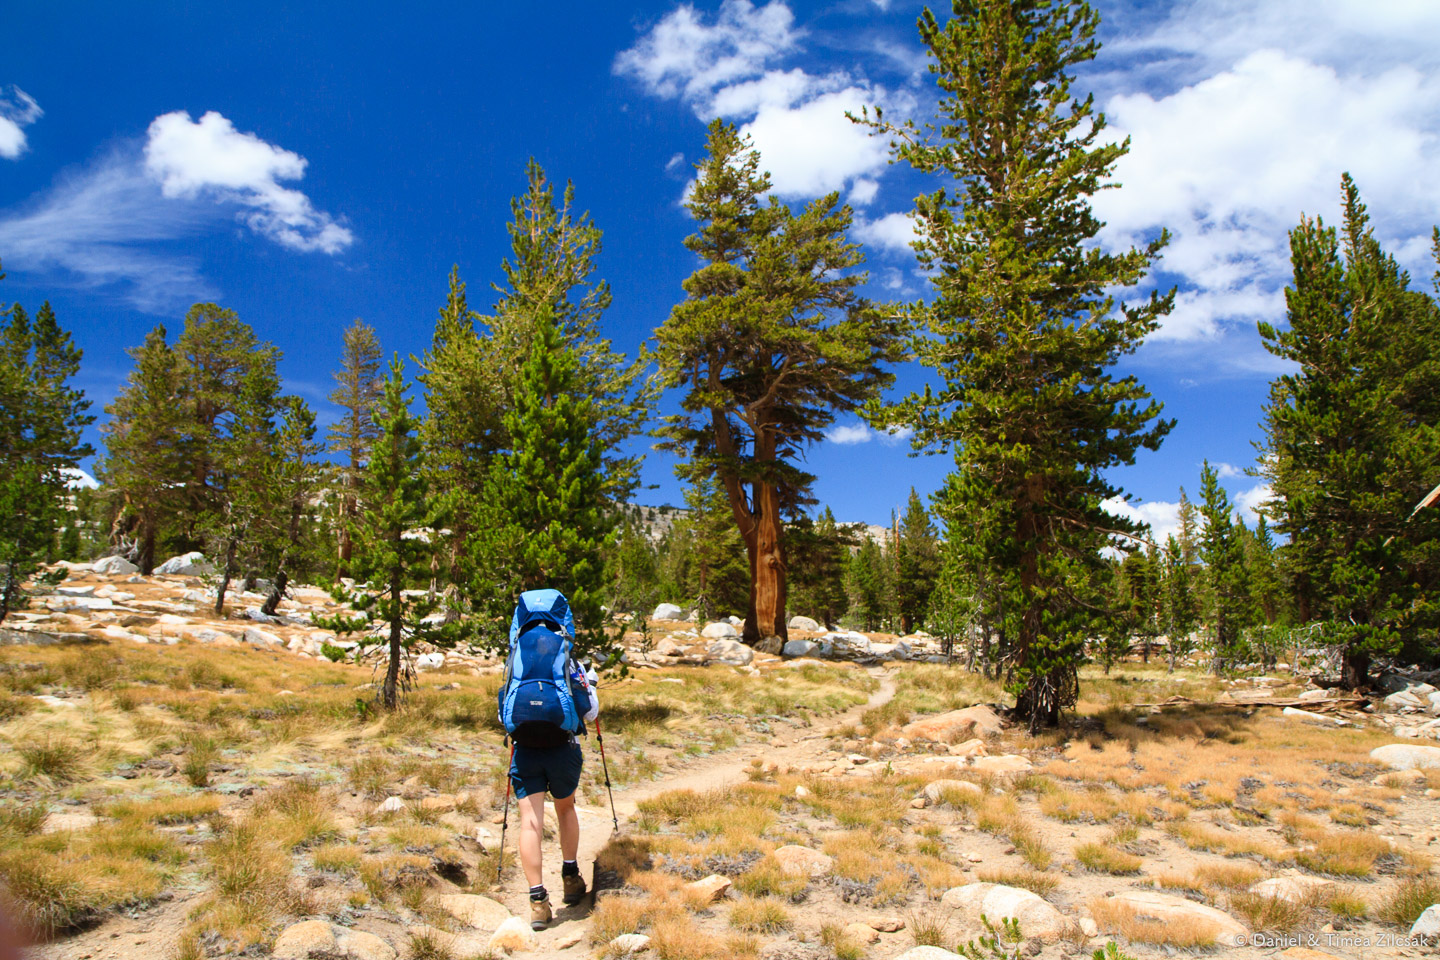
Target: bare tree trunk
(767,568)
(1354,669)
(277,590)
(390,691)
(226,572)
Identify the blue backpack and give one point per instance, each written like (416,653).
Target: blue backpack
(538,705)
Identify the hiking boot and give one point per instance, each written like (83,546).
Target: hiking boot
(540,913)
(574,890)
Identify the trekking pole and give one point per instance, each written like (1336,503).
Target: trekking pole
(600,739)
(505,819)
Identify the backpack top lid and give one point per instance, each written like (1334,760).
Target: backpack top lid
(548,605)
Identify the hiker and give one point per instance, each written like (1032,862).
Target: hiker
(545,700)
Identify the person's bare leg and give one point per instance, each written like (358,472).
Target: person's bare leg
(569,823)
(532,829)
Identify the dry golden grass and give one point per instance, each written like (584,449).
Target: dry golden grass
(1105,858)
(1002,817)
(1347,853)
(1122,920)
(1032,880)
(1210,878)
(1231,843)
(1404,904)
(760,915)
(841,944)
(166,811)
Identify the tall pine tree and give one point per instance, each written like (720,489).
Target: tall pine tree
(771,342)
(1227,597)
(41,417)
(1021,329)
(357,393)
(1353,440)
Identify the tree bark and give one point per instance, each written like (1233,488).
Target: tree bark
(225,575)
(392,669)
(277,591)
(1354,669)
(767,570)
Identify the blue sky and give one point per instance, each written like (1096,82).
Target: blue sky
(305,169)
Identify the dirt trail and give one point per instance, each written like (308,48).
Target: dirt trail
(792,748)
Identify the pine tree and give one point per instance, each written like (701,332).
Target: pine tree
(717,578)
(547,521)
(1179,605)
(41,417)
(389,538)
(357,393)
(1227,598)
(554,252)
(466,383)
(821,553)
(772,341)
(1353,440)
(871,586)
(148,445)
(917,563)
(1189,541)
(293,484)
(1021,329)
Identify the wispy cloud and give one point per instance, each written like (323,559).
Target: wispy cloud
(849,434)
(17,111)
(117,222)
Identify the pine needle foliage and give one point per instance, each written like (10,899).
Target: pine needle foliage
(1020,329)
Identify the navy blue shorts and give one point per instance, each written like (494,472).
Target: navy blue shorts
(555,771)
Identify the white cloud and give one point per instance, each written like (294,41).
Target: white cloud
(1242,117)
(210,157)
(17,111)
(892,232)
(676,161)
(862,192)
(1162,516)
(849,433)
(727,68)
(684,57)
(1227,470)
(117,223)
(1247,502)
(77,479)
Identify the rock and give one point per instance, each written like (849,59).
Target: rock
(978,720)
(887,924)
(53,701)
(627,944)
(1309,696)
(771,645)
(391,805)
(1400,778)
(732,652)
(1003,764)
(669,648)
(192,564)
(929,953)
(719,630)
(712,887)
(799,648)
(797,861)
(846,646)
(262,638)
(567,940)
(1314,717)
(803,623)
(1403,701)
(86,591)
(430,661)
(1163,908)
(1089,927)
(443,803)
(970,748)
(1296,889)
(1428,923)
(476,911)
(76,820)
(115,567)
(1405,756)
(360,945)
(300,941)
(513,936)
(937,790)
(862,932)
(996,901)
(667,611)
